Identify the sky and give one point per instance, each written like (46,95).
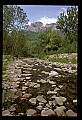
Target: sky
(43,13)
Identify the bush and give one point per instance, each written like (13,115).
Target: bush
(42,55)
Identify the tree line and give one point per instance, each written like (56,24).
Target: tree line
(17,42)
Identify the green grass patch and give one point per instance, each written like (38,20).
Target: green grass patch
(63,60)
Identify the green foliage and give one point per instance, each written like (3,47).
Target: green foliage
(69,24)
(42,55)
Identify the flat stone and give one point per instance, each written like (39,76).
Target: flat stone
(32,84)
(74,101)
(53,96)
(18,93)
(28,78)
(13,107)
(58,101)
(71,113)
(60,86)
(53,73)
(47,112)
(53,85)
(37,85)
(51,92)
(63,99)
(60,112)
(33,101)
(56,89)
(5,113)
(52,82)
(43,81)
(27,95)
(41,99)
(24,88)
(39,107)
(45,72)
(30,112)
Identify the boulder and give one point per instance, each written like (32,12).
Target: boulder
(27,95)
(71,113)
(58,101)
(5,113)
(53,73)
(59,111)
(33,101)
(30,112)
(41,99)
(48,112)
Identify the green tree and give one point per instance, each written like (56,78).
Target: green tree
(68,24)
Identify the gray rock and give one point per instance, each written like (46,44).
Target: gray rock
(74,101)
(5,113)
(39,107)
(28,78)
(62,98)
(53,96)
(30,112)
(56,89)
(53,85)
(37,85)
(18,93)
(51,92)
(60,86)
(41,99)
(54,103)
(43,81)
(32,84)
(47,112)
(24,88)
(27,95)
(58,101)
(52,82)
(59,111)
(13,107)
(71,113)
(33,101)
(53,73)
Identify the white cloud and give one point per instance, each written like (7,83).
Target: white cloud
(45,20)
(29,23)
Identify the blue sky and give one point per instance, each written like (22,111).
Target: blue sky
(43,13)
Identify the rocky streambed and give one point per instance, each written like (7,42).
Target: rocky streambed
(40,88)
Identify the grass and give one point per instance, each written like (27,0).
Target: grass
(63,60)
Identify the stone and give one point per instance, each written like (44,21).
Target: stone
(50,103)
(39,107)
(25,75)
(58,101)
(74,101)
(62,98)
(53,85)
(13,107)
(53,73)
(56,89)
(43,81)
(47,112)
(27,83)
(28,78)
(41,99)
(53,96)
(27,95)
(24,88)
(60,86)
(54,103)
(5,113)
(45,72)
(51,92)
(47,105)
(32,84)
(60,112)
(46,108)
(18,93)
(33,101)
(71,113)
(37,85)
(57,69)
(52,82)
(30,112)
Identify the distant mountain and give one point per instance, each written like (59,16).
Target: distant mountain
(39,27)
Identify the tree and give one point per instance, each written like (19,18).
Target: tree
(68,24)
(14,19)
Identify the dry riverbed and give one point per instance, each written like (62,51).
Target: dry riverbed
(40,88)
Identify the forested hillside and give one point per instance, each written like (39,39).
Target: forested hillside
(19,43)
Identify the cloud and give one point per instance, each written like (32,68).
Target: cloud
(29,23)
(46,20)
